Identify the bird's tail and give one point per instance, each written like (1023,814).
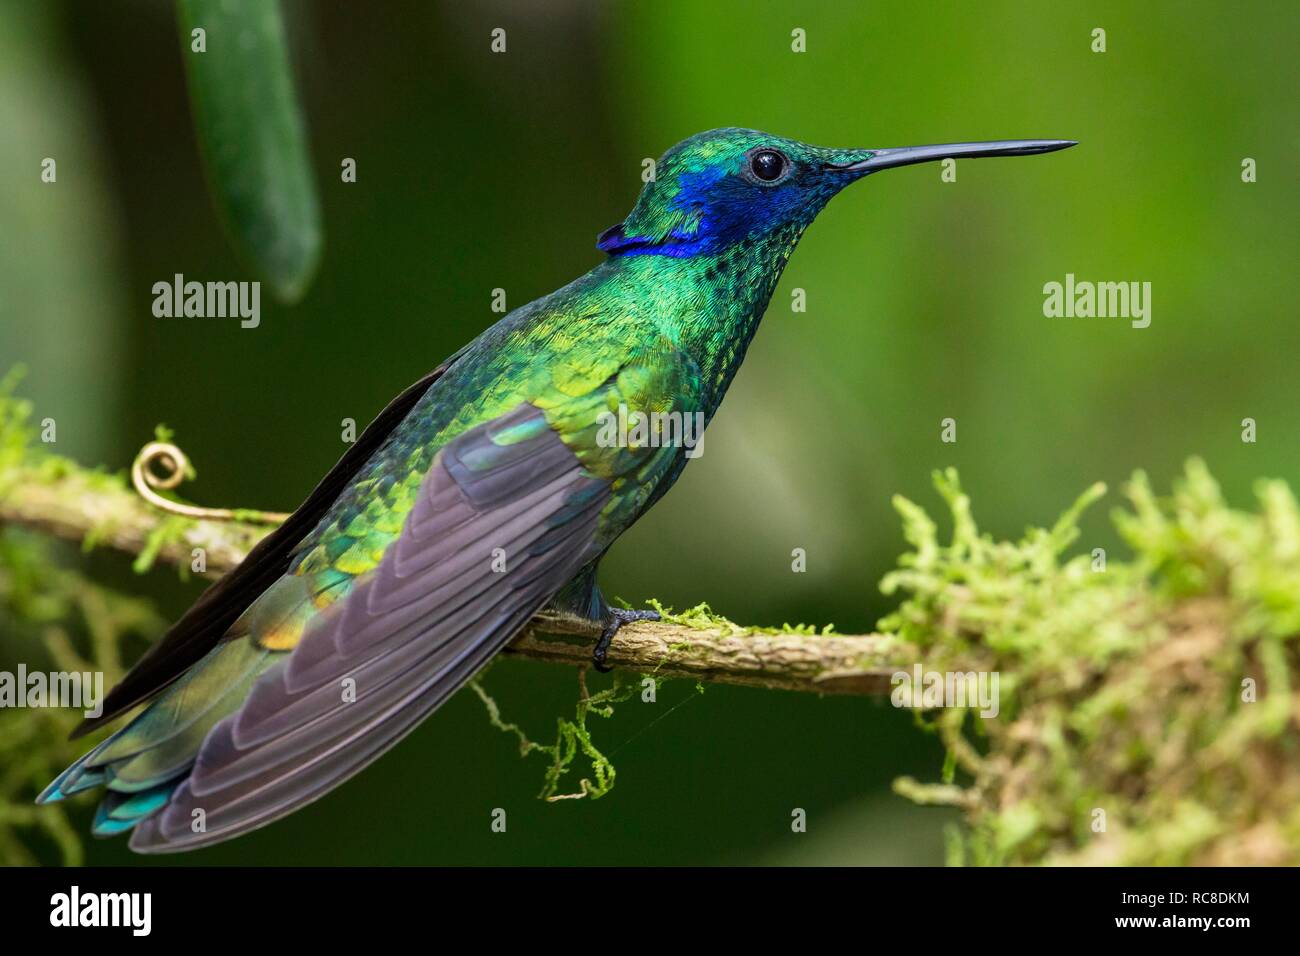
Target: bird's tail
(117,812)
(142,764)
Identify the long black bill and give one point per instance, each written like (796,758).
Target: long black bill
(910,155)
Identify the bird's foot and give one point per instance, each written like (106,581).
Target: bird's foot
(617,618)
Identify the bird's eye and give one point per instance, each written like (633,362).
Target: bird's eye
(767,165)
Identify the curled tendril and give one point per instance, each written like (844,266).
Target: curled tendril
(146,477)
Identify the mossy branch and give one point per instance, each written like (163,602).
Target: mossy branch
(60,498)
(98,509)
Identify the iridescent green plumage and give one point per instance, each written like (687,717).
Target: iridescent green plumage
(481,494)
(651,332)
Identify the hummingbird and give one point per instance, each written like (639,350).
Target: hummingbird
(484,493)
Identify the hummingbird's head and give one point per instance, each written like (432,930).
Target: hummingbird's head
(727,186)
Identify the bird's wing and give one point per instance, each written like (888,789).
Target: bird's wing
(201,627)
(506,515)
(331,666)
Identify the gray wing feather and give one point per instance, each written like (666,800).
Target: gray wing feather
(409,634)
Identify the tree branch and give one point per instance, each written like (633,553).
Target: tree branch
(80,505)
(827,664)
(72,503)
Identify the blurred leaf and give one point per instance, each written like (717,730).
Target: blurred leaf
(251,132)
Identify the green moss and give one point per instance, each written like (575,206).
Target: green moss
(16,431)
(54,617)
(1127,732)
(572,737)
(704,618)
(169,530)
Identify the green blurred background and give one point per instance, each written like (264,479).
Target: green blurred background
(478,171)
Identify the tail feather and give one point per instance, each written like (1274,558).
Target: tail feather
(75,779)
(119,812)
(142,764)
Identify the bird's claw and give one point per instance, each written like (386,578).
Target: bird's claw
(617,618)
